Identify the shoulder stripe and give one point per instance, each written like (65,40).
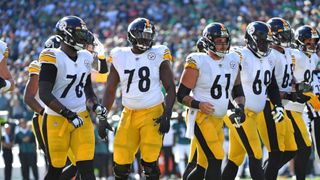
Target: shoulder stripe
(47,57)
(6,53)
(167,55)
(110,59)
(191,63)
(293,61)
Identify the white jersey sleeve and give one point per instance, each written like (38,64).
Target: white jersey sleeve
(4,52)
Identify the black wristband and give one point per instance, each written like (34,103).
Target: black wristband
(65,112)
(2,82)
(195,104)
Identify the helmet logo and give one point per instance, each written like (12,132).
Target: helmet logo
(62,25)
(49,44)
(314,33)
(250,29)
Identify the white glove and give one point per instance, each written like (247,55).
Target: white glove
(101,111)
(99,48)
(77,122)
(277,113)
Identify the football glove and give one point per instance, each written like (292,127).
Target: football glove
(99,48)
(104,126)
(164,121)
(72,117)
(277,113)
(304,87)
(4,85)
(236,116)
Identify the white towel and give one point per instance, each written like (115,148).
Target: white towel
(192,113)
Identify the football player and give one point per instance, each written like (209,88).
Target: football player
(192,160)
(66,90)
(6,81)
(258,82)
(306,39)
(278,136)
(140,70)
(214,79)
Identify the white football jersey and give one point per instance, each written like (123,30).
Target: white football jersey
(3,50)
(216,79)
(34,69)
(256,74)
(140,75)
(283,68)
(304,66)
(71,78)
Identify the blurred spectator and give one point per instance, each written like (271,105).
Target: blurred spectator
(101,155)
(27,151)
(182,144)
(7,141)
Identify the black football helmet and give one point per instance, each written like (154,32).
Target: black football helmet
(53,42)
(201,45)
(281,32)
(74,32)
(141,33)
(258,38)
(303,33)
(216,30)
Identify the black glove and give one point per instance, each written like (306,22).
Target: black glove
(237,116)
(72,117)
(297,97)
(164,121)
(304,87)
(103,128)
(2,83)
(101,111)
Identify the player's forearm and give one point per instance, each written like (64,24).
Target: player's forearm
(33,104)
(274,93)
(48,98)
(170,97)
(108,98)
(90,95)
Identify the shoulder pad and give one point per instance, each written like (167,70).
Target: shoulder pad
(192,61)
(34,67)
(48,56)
(165,52)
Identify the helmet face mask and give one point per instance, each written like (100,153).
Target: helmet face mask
(217,39)
(258,38)
(74,32)
(141,34)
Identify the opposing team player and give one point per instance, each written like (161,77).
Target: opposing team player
(278,136)
(140,70)
(66,90)
(258,82)
(214,79)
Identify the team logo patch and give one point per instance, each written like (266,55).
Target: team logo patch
(250,30)
(232,65)
(87,64)
(151,56)
(62,25)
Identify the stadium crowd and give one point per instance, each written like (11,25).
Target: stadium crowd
(25,26)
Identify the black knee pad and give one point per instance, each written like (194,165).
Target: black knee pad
(188,169)
(121,172)
(151,170)
(85,169)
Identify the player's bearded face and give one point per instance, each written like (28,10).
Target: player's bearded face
(310,44)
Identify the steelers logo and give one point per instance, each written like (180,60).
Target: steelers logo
(151,56)
(232,64)
(250,29)
(62,25)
